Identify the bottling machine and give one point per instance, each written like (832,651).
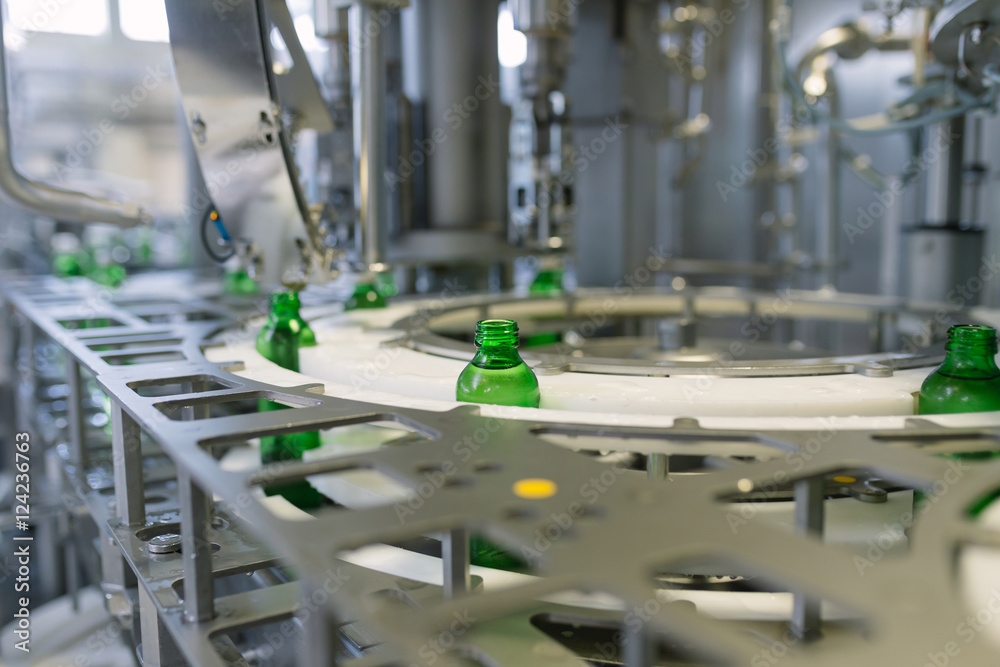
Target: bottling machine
(733,234)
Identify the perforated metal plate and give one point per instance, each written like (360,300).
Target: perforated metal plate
(589,527)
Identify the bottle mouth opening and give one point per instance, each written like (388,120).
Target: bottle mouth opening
(496,331)
(972,336)
(973,332)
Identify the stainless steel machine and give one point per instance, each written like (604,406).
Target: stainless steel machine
(765,215)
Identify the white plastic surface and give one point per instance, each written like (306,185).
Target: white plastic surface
(351,361)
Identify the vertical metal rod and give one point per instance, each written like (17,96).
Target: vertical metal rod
(977,166)
(657,466)
(766,196)
(829,233)
(158,646)
(199,411)
(199,593)
(126,449)
(77,428)
(27,394)
(368,93)
(891,242)
(638,649)
(72,564)
(321,642)
(455,555)
(809,519)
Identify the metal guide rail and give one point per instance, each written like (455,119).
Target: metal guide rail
(583,308)
(607,532)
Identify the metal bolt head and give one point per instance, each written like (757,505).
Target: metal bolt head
(164,544)
(198,128)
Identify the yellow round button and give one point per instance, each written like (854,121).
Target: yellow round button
(844,480)
(534,488)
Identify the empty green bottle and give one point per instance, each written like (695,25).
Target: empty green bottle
(279,341)
(105,271)
(237,280)
(968,380)
(366,295)
(497,375)
(66,255)
(548,282)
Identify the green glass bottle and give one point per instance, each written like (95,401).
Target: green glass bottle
(365,295)
(497,374)
(279,341)
(385,283)
(547,281)
(968,380)
(237,280)
(105,271)
(66,255)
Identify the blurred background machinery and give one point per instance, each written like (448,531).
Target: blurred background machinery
(733,233)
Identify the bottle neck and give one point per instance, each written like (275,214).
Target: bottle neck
(497,342)
(977,360)
(497,356)
(285,306)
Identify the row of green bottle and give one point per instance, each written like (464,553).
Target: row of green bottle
(284,333)
(102,254)
(282,337)
(371,292)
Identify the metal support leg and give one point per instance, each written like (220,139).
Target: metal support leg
(72,561)
(116,577)
(158,647)
(657,466)
(368,93)
(126,448)
(27,394)
(77,429)
(809,496)
(638,650)
(455,556)
(322,645)
(199,595)
(199,411)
